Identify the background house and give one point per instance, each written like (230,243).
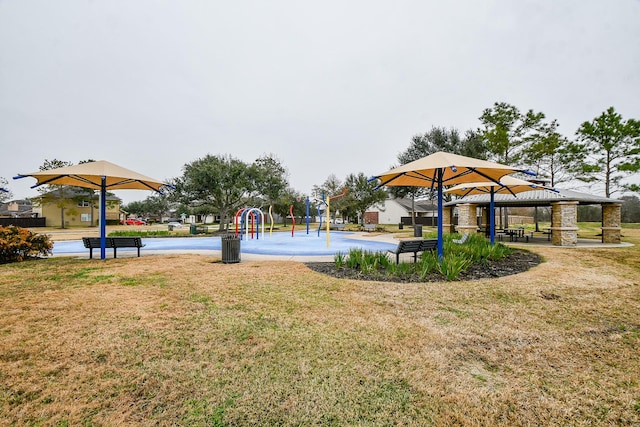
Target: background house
(16,209)
(20,213)
(395,211)
(80,207)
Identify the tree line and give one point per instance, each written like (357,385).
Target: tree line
(605,150)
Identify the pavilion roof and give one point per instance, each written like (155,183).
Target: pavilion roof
(535,198)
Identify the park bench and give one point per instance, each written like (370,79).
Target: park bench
(339,227)
(369,227)
(414,246)
(92,243)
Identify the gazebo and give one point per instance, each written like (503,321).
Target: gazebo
(564,212)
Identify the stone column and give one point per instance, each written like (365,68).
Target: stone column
(611,213)
(467,222)
(564,223)
(447,219)
(485,217)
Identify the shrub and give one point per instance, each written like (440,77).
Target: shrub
(134,233)
(18,244)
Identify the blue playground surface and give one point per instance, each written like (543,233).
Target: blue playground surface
(301,244)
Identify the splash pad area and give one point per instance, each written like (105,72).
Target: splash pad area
(275,244)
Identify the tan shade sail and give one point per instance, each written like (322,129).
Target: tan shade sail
(456,169)
(442,169)
(89,175)
(100,175)
(507,184)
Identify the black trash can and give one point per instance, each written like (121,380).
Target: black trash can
(400,226)
(193,229)
(230,249)
(170,227)
(417,230)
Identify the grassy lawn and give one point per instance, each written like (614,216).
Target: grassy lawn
(186,340)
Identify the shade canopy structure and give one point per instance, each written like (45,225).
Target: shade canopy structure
(89,175)
(100,175)
(442,169)
(454,168)
(507,184)
(533,198)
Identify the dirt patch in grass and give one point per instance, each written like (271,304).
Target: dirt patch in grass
(516,262)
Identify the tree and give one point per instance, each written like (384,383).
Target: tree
(157,205)
(630,211)
(507,132)
(447,140)
(546,154)
(269,178)
(285,200)
(5,194)
(607,150)
(153,205)
(54,193)
(219,183)
(332,186)
(138,208)
(91,194)
(361,194)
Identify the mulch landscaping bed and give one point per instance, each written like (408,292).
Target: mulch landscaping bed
(517,262)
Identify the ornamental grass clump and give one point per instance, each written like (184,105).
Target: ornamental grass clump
(339,258)
(19,244)
(452,265)
(366,261)
(457,259)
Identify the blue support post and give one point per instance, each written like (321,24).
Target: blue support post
(492,218)
(440,174)
(103,218)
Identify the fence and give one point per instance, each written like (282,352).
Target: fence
(24,222)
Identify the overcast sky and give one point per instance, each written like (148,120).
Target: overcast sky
(327,87)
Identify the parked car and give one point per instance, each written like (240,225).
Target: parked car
(175,224)
(134,221)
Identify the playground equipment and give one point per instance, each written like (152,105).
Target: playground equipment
(253,216)
(327,203)
(319,203)
(344,193)
(271,218)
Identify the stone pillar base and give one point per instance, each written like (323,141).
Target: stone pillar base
(466,229)
(564,236)
(611,234)
(467,221)
(447,220)
(611,222)
(564,220)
